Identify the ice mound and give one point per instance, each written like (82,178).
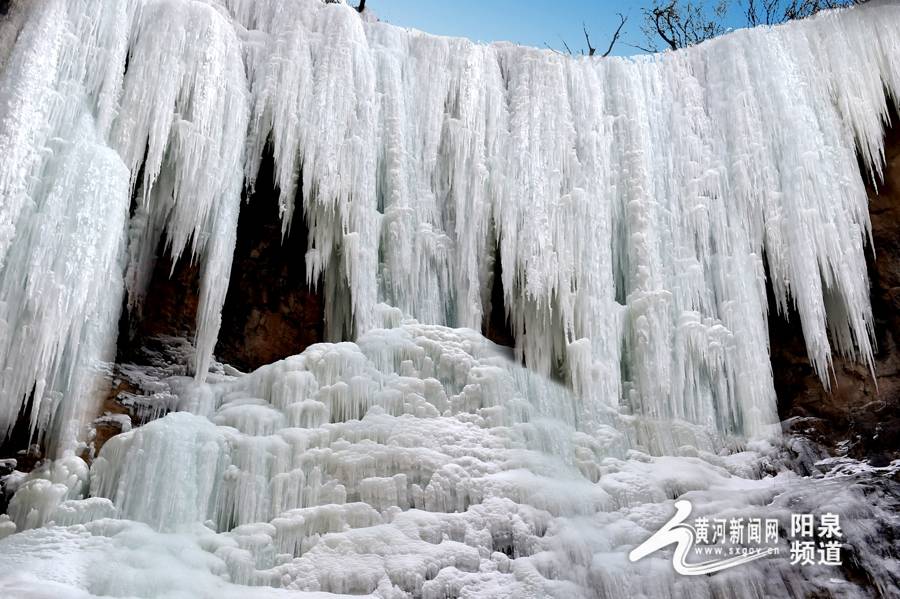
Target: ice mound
(418,462)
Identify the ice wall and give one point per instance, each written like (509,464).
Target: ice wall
(63,213)
(639,204)
(82,133)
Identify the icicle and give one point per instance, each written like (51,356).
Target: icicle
(29,73)
(185,103)
(61,287)
(638,204)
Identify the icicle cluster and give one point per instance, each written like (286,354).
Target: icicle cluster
(80,133)
(639,205)
(63,210)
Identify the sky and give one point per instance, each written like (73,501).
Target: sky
(529,22)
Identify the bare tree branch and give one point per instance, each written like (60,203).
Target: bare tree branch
(615,37)
(664,18)
(764,12)
(591,50)
(587,39)
(641,48)
(552,49)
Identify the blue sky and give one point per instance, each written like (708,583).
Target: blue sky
(529,22)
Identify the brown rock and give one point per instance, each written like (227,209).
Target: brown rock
(270,311)
(861,410)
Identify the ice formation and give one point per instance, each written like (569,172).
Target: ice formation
(418,462)
(640,209)
(638,204)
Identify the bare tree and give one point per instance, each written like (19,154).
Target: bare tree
(591,50)
(673,24)
(772,12)
(681,23)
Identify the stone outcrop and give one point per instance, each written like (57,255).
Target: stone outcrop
(270,310)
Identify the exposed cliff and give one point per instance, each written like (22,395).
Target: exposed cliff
(860,414)
(270,311)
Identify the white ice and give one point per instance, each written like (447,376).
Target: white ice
(640,208)
(418,462)
(638,204)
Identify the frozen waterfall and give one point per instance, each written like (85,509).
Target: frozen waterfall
(638,204)
(643,209)
(417,462)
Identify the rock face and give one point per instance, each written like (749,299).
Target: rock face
(171,312)
(270,311)
(860,410)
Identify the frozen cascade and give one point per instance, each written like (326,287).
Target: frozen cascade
(418,462)
(178,115)
(638,204)
(640,207)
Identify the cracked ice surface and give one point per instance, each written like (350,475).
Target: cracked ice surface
(418,462)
